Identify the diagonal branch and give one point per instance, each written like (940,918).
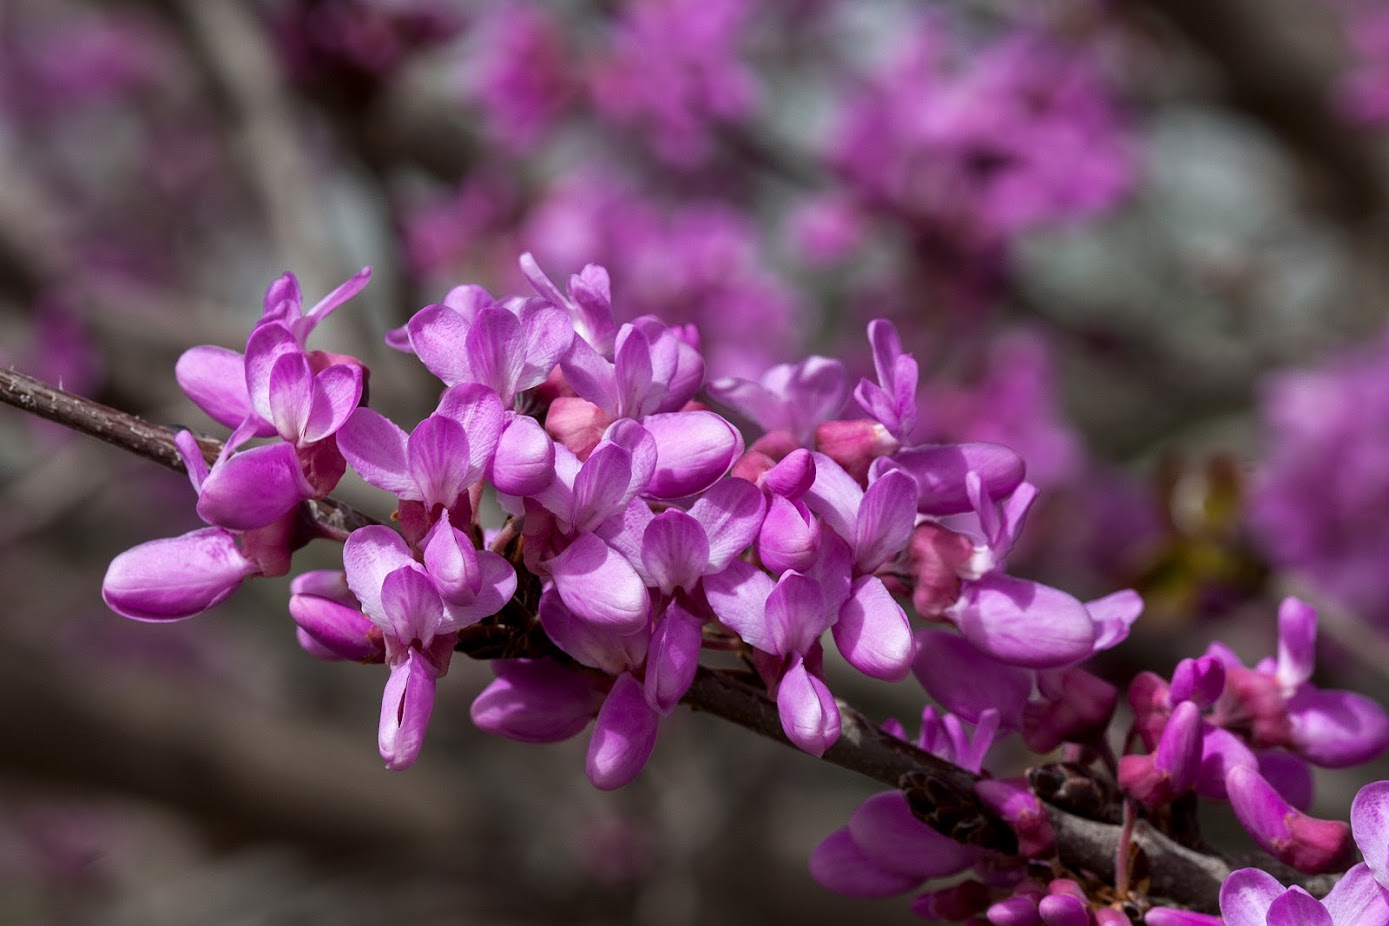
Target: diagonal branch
(1181,874)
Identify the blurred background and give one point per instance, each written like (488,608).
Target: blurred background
(1143,243)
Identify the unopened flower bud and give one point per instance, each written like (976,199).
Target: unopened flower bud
(1200,680)
(854,445)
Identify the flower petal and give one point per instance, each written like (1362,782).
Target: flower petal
(601,486)
(1357,898)
(840,865)
(376,448)
(940,472)
(890,836)
(370,554)
(1369,820)
(623,736)
(588,643)
(1337,729)
(1024,623)
(266,345)
(406,705)
(536,701)
(1298,906)
(524,463)
(730,511)
(291,396)
(673,658)
(693,451)
(436,454)
(337,390)
(967,682)
(252,488)
(738,596)
(884,522)
(598,584)
(808,712)
(1297,641)
(215,379)
(479,411)
(873,633)
(412,606)
(175,577)
(1246,896)
(438,336)
(675,551)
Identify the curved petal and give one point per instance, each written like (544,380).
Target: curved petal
(498,586)
(215,379)
(1246,896)
(376,448)
(890,836)
(966,682)
(632,374)
(693,451)
(738,596)
(1358,898)
(623,736)
(1221,751)
(940,472)
(835,496)
(536,701)
(369,555)
(1024,623)
(793,476)
(1369,821)
(412,606)
(873,633)
(796,614)
(291,396)
(840,865)
(524,463)
(340,631)
(592,378)
(1337,729)
(588,643)
(438,336)
(478,410)
(675,551)
(730,511)
(789,537)
(337,390)
(673,658)
(252,488)
(885,520)
(175,577)
(1297,642)
(406,705)
(600,488)
(1298,906)
(266,345)
(598,584)
(452,562)
(496,351)
(436,455)
(548,334)
(809,715)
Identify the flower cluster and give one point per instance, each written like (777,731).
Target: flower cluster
(647,530)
